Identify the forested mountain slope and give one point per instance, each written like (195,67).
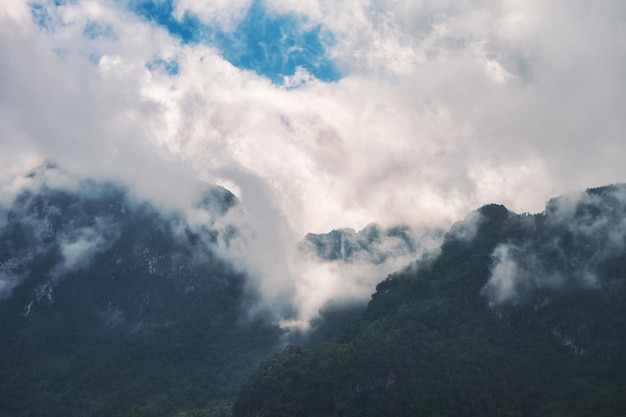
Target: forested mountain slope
(112,307)
(518,315)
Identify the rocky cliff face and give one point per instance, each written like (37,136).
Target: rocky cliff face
(373,244)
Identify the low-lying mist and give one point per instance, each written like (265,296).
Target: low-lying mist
(291,278)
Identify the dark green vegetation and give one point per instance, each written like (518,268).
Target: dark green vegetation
(109,307)
(119,310)
(518,315)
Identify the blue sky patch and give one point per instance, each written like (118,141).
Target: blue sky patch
(169,67)
(94,58)
(41,16)
(189,29)
(269,44)
(94,30)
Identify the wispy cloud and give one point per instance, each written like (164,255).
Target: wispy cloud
(566,244)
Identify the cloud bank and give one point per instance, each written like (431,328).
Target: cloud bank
(337,115)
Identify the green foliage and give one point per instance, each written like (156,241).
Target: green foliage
(430,344)
(153,326)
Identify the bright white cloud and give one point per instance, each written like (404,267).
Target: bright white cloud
(224,13)
(443,106)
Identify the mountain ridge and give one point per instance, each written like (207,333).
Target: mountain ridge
(502,322)
(111,306)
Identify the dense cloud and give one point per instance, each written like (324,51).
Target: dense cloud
(440,108)
(344,265)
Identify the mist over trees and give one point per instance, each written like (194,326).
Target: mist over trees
(113,306)
(522,317)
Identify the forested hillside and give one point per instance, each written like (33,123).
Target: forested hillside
(112,308)
(519,315)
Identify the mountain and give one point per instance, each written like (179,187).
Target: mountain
(372,244)
(110,306)
(517,315)
(113,306)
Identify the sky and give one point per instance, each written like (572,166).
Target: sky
(319,114)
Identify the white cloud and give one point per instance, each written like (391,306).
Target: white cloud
(517,270)
(373,255)
(223,13)
(505,274)
(444,106)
